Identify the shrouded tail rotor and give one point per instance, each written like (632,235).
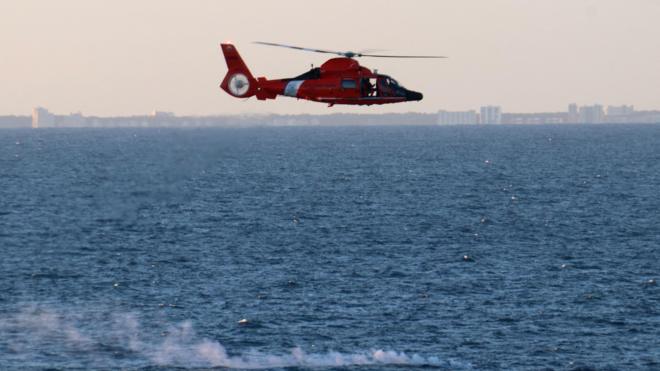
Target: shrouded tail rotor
(238,84)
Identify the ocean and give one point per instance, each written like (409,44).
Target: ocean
(331,248)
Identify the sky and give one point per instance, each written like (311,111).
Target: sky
(126,57)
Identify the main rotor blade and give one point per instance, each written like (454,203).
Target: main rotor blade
(399,56)
(362,51)
(348,54)
(298,48)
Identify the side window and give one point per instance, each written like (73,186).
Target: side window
(348,84)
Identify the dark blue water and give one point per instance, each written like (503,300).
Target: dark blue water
(379,248)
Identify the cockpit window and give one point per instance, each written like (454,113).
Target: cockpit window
(390,82)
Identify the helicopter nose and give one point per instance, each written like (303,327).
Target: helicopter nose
(413,95)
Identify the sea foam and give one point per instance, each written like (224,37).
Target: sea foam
(34,328)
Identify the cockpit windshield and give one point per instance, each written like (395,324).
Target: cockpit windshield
(390,82)
(388,87)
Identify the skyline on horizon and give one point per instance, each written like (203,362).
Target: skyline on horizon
(165,112)
(120,58)
(590,114)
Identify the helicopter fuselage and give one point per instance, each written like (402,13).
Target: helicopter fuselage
(337,81)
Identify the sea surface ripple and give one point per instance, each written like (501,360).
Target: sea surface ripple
(346,248)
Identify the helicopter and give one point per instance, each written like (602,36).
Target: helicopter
(337,81)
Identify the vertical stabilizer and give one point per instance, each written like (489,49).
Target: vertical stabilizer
(238,81)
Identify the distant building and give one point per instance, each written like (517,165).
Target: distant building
(457,117)
(15,122)
(491,115)
(74,120)
(620,110)
(155,113)
(592,114)
(573,114)
(622,115)
(643,117)
(535,118)
(628,116)
(41,118)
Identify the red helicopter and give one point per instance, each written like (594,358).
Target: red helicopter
(337,81)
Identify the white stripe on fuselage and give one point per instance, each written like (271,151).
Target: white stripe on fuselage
(292,87)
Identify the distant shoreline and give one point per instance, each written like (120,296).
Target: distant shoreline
(246,121)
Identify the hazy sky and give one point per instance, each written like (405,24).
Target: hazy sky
(124,57)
